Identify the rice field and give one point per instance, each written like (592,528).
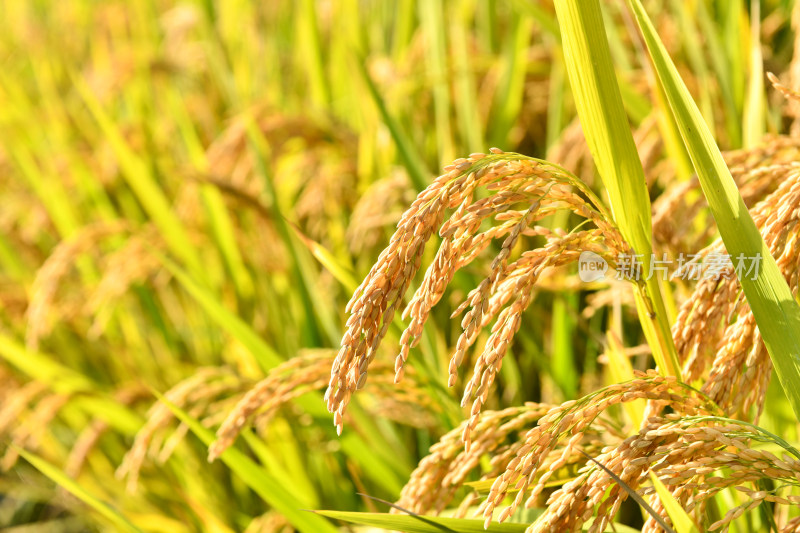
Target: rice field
(422,265)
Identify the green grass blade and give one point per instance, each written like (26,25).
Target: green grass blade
(143,184)
(51,192)
(415,166)
(219,220)
(467,104)
(690,34)
(680,519)
(544,19)
(771,300)
(267,357)
(507,102)
(605,124)
(61,479)
(310,51)
(44,368)
(562,358)
(279,456)
(723,72)
(266,486)
(431,14)
(107,409)
(342,273)
(621,370)
(325,322)
(235,326)
(403,28)
(422,524)
(753,127)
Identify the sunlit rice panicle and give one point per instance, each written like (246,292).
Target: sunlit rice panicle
(49,277)
(499,436)
(792,526)
(291,379)
(309,371)
(375,301)
(698,327)
(86,441)
(569,422)
(757,171)
(380,207)
(518,285)
(521,191)
(756,498)
(194,394)
(715,333)
(16,401)
(572,152)
(28,432)
(89,437)
(439,475)
(649,142)
(688,454)
(132,263)
(229,156)
(793,107)
(789,94)
(322,175)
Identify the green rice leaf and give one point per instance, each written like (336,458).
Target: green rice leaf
(776,312)
(342,273)
(507,103)
(438,524)
(422,524)
(605,124)
(61,479)
(270,489)
(621,371)
(43,367)
(680,519)
(431,14)
(352,445)
(415,166)
(235,326)
(753,126)
(143,183)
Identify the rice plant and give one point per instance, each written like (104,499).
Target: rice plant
(234,291)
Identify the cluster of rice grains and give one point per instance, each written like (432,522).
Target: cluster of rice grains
(694,450)
(307,372)
(715,332)
(521,191)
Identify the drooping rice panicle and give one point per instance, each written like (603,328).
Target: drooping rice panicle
(521,191)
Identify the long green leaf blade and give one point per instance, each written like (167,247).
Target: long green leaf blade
(270,489)
(680,518)
(776,312)
(263,352)
(438,524)
(605,124)
(64,481)
(422,524)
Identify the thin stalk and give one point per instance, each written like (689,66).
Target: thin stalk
(605,124)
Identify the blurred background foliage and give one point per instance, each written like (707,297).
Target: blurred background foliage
(191,191)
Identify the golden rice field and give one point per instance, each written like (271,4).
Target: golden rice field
(410,265)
